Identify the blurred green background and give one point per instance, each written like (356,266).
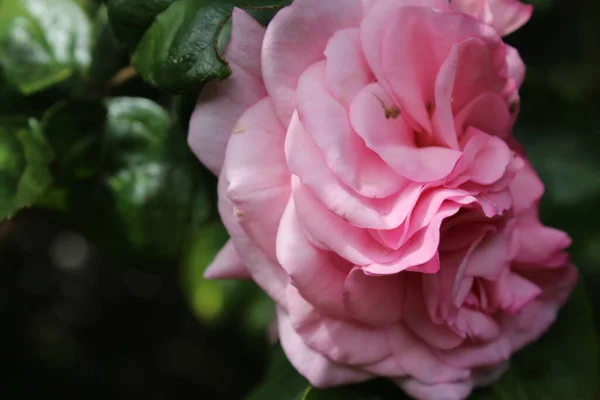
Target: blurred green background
(100,286)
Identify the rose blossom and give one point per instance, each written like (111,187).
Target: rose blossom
(371,186)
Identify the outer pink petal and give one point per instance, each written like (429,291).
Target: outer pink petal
(347,69)
(317,274)
(227,265)
(526,189)
(221,103)
(377,301)
(259,181)
(509,15)
(320,371)
(506,16)
(336,339)
(295,39)
(345,152)
(516,66)
(267,274)
(418,358)
(459,390)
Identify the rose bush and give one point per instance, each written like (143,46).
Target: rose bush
(371,186)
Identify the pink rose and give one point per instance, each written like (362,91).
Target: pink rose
(371,186)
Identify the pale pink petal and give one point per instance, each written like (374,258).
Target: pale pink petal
(394,141)
(259,181)
(412,72)
(458,390)
(418,359)
(295,39)
(438,336)
(336,339)
(317,274)
(506,16)
(376,21)
(511,292)
(267,274)
(221,103)
(485,159)
(319,371)
(305,160)
(516,66)
(346,154)
(509,15)
(377,301)
(330,232)
(526,189)
(488,113)
(227,265)
(347,69)
(420,248)
(538,244)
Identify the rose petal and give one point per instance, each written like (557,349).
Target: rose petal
(319,371)
(345,152)
(377,301)
(227,265)
(295,39)
(221,103)
(394,141)
(347,69)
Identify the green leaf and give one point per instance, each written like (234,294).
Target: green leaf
(43,42)
(177,41)
(109,56)
(75,129)
(563,364)
(132,185)
(24,160)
